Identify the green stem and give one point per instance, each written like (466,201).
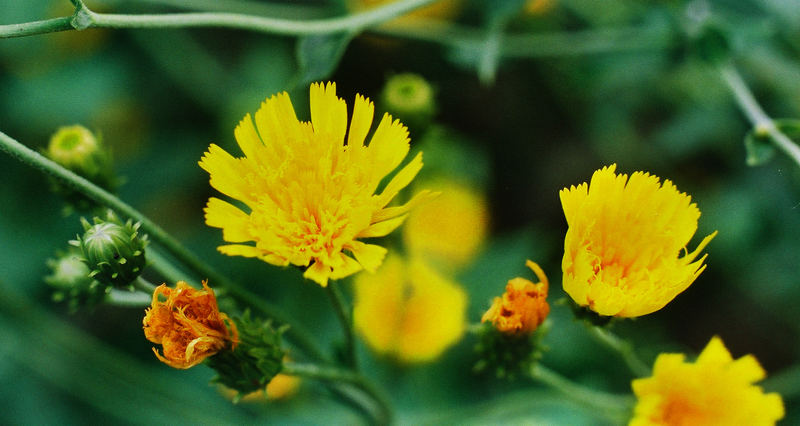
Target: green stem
(614,406)
(33,159)
(512,45)
(85,18)
(128,299)
(623,348)
(376,405)
(763,124)
(346,320)
(144,286)
(167,268)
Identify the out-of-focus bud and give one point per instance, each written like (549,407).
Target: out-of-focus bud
(71,281)
(80,151)
(113,251)
(411,99)
(254,362)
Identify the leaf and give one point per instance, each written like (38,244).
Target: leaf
(319,55)
(760,149)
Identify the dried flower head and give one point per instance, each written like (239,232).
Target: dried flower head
(309,191)
(523,307)
(622,250)
(716,390)
(188,325)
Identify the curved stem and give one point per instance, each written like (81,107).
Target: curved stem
(614,406)
(144,286)
(346,320)
(127,299)
(763,124)
(377,406)
(33,159)
(85,18)
(623,348)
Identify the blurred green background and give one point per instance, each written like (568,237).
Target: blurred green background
(528,121)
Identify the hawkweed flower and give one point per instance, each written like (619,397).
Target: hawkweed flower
(716,390)
(309,192)
(188,325)
(450,230)
(523,307)
(408,311)
(622,252)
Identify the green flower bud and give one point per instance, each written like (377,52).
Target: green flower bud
(71,281)
(409,98)
(255,360)
(78,150)
(113,252)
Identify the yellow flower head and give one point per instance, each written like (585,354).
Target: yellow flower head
(188,325)
(449,230)
(408,311)
(309,191)
(523,307)
(622,249)
(713,391)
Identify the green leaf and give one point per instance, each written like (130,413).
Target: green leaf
(319,55)
(759,146)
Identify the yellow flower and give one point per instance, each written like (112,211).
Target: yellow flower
(713,391)
(309,192)
(523,307)
(188,325)
(621,252)
(408,311)
(449,230)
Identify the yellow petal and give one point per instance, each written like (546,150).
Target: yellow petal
(233,221)
(363,113)
(400,181)
(369,256)
(328,112)
(319,273)
(388,147)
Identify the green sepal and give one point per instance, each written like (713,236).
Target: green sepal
(508,355)
(586,315)
(256,359)
(71,282)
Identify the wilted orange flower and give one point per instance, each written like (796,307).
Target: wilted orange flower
(188,325)
(622,251)
(523,307)
(716,390)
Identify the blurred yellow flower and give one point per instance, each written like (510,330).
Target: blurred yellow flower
(537,7)
(449,230)
(408,311)
(281,387)
(188,325)
(713,391)
(523,307)
(442,10)
(621,252)
(309,191)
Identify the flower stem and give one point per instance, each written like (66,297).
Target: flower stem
(344,313)
(616,407)
(300,336)
(144,286)
(85,18)
(760,120)
(127,299)
(623,348)
(343,382)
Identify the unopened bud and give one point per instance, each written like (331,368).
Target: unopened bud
(411,99)
(113,251)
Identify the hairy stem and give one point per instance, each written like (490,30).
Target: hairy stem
(85,18)
(623,348)
(344,313)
